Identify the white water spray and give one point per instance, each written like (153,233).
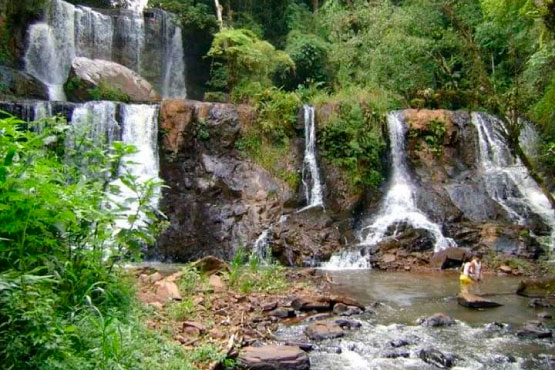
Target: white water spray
(398,207)
(507,180)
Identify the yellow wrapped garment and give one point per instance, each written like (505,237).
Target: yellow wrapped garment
(465,279)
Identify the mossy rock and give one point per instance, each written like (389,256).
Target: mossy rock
(537,288)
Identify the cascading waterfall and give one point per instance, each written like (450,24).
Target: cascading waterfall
(98,119)
(51,48)
(507,180)
(262,243)
(69,31)
(173,78)
(93,34)
(311,174)
(399,206)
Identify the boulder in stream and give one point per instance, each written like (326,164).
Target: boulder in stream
(474,301)
(534,329)
(320,330)
(321,304)
(274,358)
(537,288)
(437,358)
(437,320)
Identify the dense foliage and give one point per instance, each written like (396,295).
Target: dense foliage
(71,213)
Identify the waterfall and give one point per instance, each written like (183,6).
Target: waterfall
(398,207)
(507,180)
(69,31)
(261,245)
(98,119)
(51,47)
(129,39)
(93,34)
(173,77)
(311,175)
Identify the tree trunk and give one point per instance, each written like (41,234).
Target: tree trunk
(219,11)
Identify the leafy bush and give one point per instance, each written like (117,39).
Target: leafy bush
(247,58)
(62,235)
(353,142)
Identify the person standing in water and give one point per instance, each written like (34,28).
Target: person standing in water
(471,274)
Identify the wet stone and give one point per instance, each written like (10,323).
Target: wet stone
(437,358)
(534,330)
(398,343)
(348,324)
(324,330)
(344,310)
(437,320)
(319,305)
(307,347)
(397,354)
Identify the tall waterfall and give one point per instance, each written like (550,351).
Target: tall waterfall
(398,207)
(51,47)
(507,180)
(311,175)
(68,31)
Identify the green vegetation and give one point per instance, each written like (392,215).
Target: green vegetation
(248,275)
(65,302)
(81,90)
(352,141)
(432,135)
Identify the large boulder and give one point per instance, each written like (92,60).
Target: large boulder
(537,288)
(273,358)
(474,301)
(21,84)
(91,79)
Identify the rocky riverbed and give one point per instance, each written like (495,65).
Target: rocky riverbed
(318,319)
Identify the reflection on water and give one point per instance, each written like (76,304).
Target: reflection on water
(409,296)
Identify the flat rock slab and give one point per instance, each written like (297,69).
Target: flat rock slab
(274,358)
(475,301)
(320,330)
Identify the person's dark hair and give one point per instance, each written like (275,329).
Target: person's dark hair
(477,255)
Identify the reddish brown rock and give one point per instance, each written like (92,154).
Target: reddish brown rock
(324,330)
(274,358)
(166,291)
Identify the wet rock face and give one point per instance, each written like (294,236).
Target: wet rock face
(306,238)
(217,201)
(451,189)
(21,84)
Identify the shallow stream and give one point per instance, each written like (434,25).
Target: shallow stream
(405,297)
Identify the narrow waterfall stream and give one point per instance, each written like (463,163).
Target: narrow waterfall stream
(398,207)
(69,31)
(507,179)
(311,174)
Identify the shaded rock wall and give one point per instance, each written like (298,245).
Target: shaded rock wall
(217,201)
